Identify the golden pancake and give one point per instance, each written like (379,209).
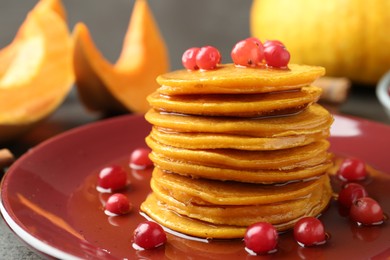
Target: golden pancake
(215,192)
(231,221)
(301,156)
(166,217)
(244,215)
(216,140)
(244,105)
(229,79)
(242,175)
(314,119)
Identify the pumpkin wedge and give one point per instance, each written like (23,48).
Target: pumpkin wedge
(35,69)
(9,52)
(123,86)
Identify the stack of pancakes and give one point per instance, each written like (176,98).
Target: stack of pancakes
(234,146)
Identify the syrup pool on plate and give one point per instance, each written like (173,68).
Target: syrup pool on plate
(114,234)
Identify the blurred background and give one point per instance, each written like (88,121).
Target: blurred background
(183,24)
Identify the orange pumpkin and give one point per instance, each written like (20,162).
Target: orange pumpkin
(123,86)
(349,38)
(35,69)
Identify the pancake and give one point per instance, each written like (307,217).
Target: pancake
(244,215)
(241,175)
(217,140)
(231,221)
(314,119)
(185,225)
(215,192)
(244,105)
(229,79)
(302,156)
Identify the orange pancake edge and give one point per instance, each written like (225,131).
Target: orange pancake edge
(228,78)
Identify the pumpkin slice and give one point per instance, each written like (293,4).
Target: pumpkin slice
(36,69)
(123,86)
(8,53)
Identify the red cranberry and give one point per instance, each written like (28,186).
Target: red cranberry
(112,177)
(352,169)
(309,231)
(189,58)
(366,211)
(248,52)
(261,238)
(208,58)
(139,159)
(276,56)
(149,235)
(118,204)
(351,192)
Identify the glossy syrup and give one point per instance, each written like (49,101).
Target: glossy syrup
(114,234)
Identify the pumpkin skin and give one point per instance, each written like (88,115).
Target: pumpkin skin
(35,70)
(121,87)
(349,38)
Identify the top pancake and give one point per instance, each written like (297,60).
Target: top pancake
(229,79)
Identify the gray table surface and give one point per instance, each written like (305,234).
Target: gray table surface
(220,23)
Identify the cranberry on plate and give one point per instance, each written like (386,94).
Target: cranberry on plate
(261,238)
(149,235)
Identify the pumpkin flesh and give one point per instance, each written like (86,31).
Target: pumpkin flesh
(36,72)
(123,86)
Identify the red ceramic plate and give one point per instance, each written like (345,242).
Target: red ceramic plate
(49,199)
